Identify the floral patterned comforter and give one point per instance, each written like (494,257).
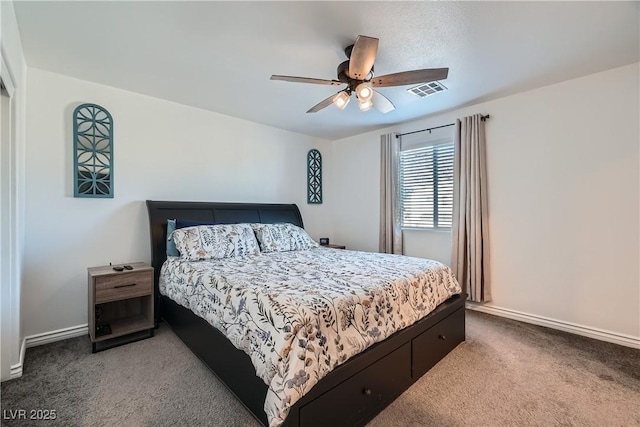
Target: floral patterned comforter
(300,314)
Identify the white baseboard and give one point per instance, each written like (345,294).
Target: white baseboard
(59,335)
(585,331)
(16,370)
(45,338)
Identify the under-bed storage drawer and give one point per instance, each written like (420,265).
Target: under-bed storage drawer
(357,399)
(434,343)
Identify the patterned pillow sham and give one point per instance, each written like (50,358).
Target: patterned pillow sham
(173,225)
(282,237)
(216,241)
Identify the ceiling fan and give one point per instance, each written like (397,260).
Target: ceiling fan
(357,74)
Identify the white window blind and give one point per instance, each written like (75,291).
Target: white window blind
(426,186)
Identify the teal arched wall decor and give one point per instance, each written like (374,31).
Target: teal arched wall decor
(314,177)
(92,151)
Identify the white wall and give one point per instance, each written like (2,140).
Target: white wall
(12,197)
(163,151)
(563,164)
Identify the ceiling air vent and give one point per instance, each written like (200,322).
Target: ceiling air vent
(427,89)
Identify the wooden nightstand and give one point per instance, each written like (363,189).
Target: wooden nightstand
(120,305)
(335,246)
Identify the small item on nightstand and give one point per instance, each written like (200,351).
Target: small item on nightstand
(128,267)
(335,246)
(118,268)
(324,241)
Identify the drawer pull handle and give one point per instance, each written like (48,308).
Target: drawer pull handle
(442,337)
(124,286)
(367,391)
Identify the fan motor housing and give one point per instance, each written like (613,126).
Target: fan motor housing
(348,50)
(343,68)
(343,72)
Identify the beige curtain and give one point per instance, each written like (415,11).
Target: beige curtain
(390,231)
(470,254)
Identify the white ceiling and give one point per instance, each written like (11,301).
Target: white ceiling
(219,55)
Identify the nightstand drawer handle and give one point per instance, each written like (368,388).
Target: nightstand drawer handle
(124,286)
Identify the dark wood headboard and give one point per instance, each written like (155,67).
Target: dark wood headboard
(225,213)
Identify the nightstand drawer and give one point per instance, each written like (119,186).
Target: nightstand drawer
(123,286)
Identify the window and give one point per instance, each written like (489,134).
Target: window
(426,186)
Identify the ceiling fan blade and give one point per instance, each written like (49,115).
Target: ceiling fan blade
(411,77)
(363,55)
(322,104)
(307,80)
(382,103)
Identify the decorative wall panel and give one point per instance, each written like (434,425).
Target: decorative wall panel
(92,151)
(314,177)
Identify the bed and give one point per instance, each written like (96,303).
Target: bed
(352,393)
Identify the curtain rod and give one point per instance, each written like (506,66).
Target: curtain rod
(483,118)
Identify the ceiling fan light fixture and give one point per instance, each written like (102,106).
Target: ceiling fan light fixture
(365,106)
(358,76)
(341,99)
(364,92)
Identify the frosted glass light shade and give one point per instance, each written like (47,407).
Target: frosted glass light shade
(341,100)
(365,106)
(364,92)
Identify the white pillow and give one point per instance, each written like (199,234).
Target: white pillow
(216,241)
(282,237)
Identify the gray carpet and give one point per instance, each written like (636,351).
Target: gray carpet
(507,373)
